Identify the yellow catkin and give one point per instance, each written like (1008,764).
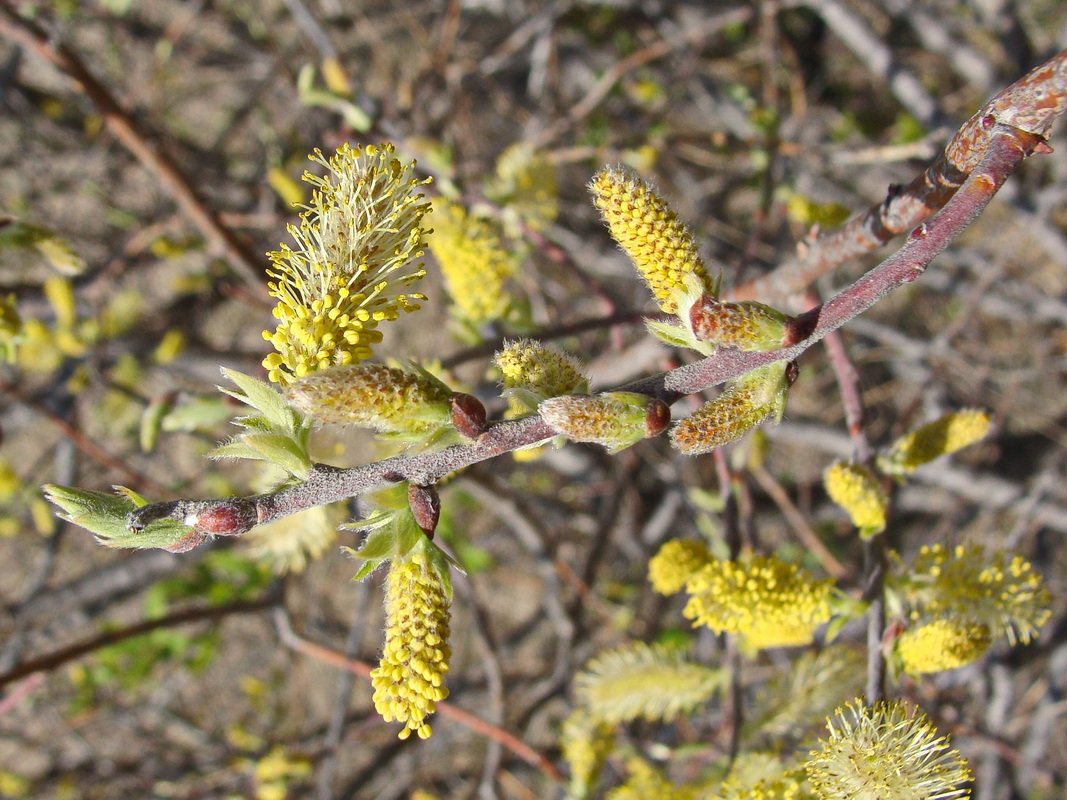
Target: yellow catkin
(648,231)
(386,399)
(764,600)
(996,589)
(942,644)
(946,435)
(886,751)
(675,563)
(747,402)
(409,680)
(473,261)
(526,364)
(357,245)
(858,491)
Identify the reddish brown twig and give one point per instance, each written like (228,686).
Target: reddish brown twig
(59,657)
(1031,105)
(295,642)
(33,36)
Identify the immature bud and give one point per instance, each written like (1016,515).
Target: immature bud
(531,373)
(387,399)
(615,420)
(230,517)
(747,402)
(857,489)
(468,415)
(748,326)
(425,505)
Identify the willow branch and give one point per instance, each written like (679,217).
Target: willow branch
(1031,105)
(1006,149)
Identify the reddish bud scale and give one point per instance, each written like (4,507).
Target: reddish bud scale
(425,505)
(225,518)
(657,418)
(468,415)
(186,543)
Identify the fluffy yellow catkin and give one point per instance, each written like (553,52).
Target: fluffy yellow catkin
(747,402)
(885,751)
(473,260)
(764,600)
(946,435)
(858,491)
(942,644)
(966,583)
(357,245)
(386,399)
(409,680)
(675,563)
(648,231)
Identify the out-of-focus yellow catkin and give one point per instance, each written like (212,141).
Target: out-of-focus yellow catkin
(946,435)
(858,491)
(531,373)
(747,402)
(473,260)
(675,563)
(649,232)
(409,680)
(942,644)
(645,781)
(764,600)
(386,399)
(356,248)
(997,589)
(585,743)
(886,751)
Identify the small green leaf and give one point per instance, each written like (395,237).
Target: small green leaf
(264,399)
(378,544)
(281,450)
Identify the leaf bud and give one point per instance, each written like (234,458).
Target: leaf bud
(425,505)
(468,415)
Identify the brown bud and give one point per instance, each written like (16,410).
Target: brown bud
(657,418)
(425,505)
(468,415)
(230,517)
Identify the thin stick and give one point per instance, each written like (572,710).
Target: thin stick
(57,658)
(223,241)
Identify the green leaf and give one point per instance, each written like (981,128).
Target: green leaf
(378,544)
(262,397)
(281,450)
